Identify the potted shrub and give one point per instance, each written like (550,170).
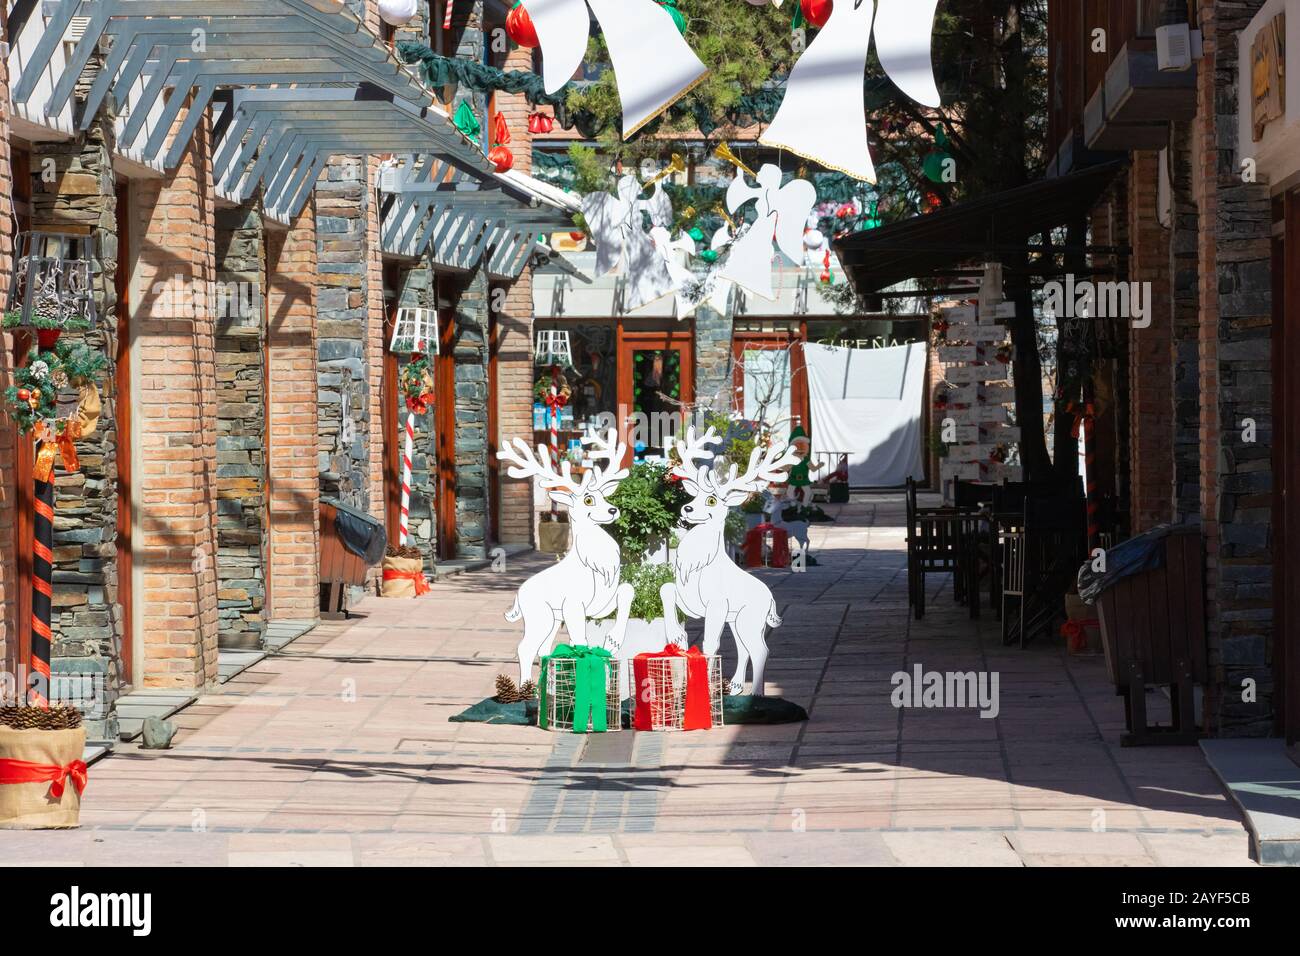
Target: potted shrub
(41,770)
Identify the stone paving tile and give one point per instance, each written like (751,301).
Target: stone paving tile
(338,752)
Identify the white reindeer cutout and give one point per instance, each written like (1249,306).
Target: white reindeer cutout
(585,583)
(708,584)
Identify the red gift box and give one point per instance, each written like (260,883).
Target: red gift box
(662,703)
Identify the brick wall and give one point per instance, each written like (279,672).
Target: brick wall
(175,422)
(1235,385)
(515,375)
(293,546)
(1150,375)
(241,427)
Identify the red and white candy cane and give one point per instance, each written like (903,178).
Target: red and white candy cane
(406,479)
(446,20)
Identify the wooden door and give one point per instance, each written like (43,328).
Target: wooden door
(122,421)
(656,380)
(445,434)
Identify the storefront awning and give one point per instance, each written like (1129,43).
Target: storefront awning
(459,221)
(988,228)
(324,84)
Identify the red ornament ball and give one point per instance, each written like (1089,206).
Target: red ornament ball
(23,394)
(519,25)
(816,12)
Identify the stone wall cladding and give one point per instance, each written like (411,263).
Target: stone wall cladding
(175,419)
(1236,385)
(713,372)
(471,418)
(342,325)
(293,542)
(73,187)
(241,428)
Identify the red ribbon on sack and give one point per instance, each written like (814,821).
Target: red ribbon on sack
(24,771)
(699,713)
(421,582)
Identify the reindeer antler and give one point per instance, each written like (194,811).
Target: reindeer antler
(694,452)
(527,465)
(605,448)
(766,465)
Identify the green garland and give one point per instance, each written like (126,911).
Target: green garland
(439,71)
(33,398)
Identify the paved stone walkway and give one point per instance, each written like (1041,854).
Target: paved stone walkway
(338,752)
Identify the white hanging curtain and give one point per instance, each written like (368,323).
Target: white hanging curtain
(868,403)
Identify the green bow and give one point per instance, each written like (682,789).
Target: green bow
(467,122)
(591,667)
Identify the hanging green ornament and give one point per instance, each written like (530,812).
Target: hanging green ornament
(709,255)
(467,122)
(936,166)
(696,233)
(678,17)
(798,20)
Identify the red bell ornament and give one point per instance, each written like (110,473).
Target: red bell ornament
(540,123)
(520,28)
(816,12)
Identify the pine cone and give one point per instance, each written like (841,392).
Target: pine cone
(508,692)
(37,718)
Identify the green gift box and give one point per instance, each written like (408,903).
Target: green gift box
(579,690)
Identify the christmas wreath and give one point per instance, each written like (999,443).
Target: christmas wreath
(33,398)
(417,383)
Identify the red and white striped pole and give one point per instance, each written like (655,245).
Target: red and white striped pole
(404,526)
(555,428)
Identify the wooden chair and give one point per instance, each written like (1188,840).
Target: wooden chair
(936,539)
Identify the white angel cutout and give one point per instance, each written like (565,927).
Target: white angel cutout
(653,64)
(616,223)
(823,115)
(782,213)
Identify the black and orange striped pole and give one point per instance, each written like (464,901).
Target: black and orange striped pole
(42,586)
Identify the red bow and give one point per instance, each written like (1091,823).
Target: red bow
(650,697)
(421,582)
(556,400)
(24,771)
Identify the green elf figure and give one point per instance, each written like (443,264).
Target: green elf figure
(799,480)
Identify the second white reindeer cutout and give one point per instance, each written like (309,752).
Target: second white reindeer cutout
(585,584)
(707,583)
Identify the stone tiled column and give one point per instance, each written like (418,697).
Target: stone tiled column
(1236,481)
(1185,302)
(241,426)
(293,545)
(471,417)
(175,423)
(73,189)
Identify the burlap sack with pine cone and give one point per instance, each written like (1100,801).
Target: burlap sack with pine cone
(33,806)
